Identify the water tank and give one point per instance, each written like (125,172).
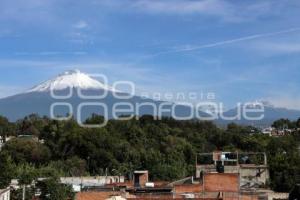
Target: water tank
(219,167)
(188,196)
(149,185)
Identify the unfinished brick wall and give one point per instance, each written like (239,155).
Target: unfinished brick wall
(143,179)
(214,182)
(195,188)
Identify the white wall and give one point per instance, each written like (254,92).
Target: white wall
(5,194)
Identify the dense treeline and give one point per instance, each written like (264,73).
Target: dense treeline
(167,148)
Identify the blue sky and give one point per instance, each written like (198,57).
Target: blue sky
(241,50)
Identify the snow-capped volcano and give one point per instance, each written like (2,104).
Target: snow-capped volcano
(71,79)
(270,113)
(259,103)
(78,105)
(40,101)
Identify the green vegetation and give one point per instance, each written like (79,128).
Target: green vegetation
(286,124)
(51,189)
(167,148)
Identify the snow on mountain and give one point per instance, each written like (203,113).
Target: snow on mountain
(270,113)
(259,103)
(70,79)
(38,100)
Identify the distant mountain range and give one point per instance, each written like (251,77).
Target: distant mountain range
(40,98)
(270,114)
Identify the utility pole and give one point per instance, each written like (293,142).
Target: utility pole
(23,195)
(106,175)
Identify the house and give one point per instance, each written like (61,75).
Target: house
(5,194)
(219,176)
(212,186)
(268,131)
(91,181)
(3,140)
(251,166)
(140,178)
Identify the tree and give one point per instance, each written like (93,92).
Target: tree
(52,189)
(75,166)
(27,150)
(6,128)
(7,170)
(31,125)
(298,123)
(26,175)
(284,162)
(283,124)
(166,147)
(17,194)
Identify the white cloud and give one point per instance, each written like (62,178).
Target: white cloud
(236,40)
(285,102)
(81,33)
(142,76)
(50,53)
(81,24)
(184,7)
(6,91)
(80,37)
(228,11)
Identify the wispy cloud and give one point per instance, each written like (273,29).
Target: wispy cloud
(6,90)
(182,7)
(145,78)
(80,38)
(227,11)
(50,53)
(81,24)
(81,33)
(291,102)
(226,42)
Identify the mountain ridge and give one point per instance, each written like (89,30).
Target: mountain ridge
(40,99)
